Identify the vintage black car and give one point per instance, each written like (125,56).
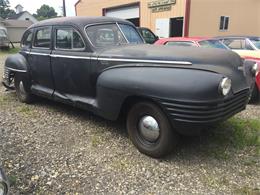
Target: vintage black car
(4,185)
(102,65)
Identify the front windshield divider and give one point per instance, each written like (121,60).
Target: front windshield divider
(122,32)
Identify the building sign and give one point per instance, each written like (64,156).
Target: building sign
(161,5)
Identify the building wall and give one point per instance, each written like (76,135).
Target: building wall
(147,18)
(15,33)
(205,17)
(27,15)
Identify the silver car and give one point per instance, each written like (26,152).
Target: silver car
(4,41)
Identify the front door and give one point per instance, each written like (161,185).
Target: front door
(71,66)
(40,62)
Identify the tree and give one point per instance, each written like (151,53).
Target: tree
(45,12)
(5,11)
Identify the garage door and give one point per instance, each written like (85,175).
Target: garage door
(124,13)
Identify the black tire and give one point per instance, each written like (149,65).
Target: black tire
(22,88)
(167,139)
(255,95)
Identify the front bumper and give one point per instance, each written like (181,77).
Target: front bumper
(205,113)
(4,183)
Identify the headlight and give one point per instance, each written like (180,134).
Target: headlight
(225,86)
(255,69)
(3,188)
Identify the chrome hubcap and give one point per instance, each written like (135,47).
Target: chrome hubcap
(149,128)
(21,88)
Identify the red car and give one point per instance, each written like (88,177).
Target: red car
(209,43)
(192,41)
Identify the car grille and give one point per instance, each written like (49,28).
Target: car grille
(206,112)
(6,73)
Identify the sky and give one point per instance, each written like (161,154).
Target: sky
(33,5)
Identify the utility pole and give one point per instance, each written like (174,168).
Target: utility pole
(64,8)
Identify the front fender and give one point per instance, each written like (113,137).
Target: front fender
(13,64)
(116,84)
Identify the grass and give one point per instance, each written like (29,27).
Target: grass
(26,110)
(234,134)
(246,191)
(10,51)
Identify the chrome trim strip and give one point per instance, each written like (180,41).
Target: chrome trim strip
(116,59)
(72,57)
(39,54)
(145,61)
(17,70)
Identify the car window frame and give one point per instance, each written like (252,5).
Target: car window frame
(35,34)
(240,39)
(55,28)
(104,23)
(31,30)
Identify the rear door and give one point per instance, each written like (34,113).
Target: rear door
(40,62)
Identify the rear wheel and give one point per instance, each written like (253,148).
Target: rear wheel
(22,87)
(150,130)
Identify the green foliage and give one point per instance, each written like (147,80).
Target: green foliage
(5,11)
(45,12)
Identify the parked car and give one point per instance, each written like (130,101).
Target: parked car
(192,42)
(245,46)
(163,92)
(248,47)
(148,35)
(4,41)
(210,43)
(4,185)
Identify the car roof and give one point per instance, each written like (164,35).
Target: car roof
(186,39)
(80,21)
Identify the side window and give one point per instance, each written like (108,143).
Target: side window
(43,38)
(27,39)
(68,39)
(237,44)
(224,23)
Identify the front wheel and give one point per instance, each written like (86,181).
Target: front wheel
(150,130)
(22,88)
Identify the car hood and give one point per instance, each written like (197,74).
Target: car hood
(209,56)
(219,61)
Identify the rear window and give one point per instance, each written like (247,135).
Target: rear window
(3,33)
(43,38)
(212,44)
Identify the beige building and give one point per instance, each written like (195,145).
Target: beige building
(181,17)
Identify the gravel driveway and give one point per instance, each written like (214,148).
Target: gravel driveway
(50,148)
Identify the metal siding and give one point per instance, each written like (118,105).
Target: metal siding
(147,18)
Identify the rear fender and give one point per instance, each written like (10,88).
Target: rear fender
(17,63)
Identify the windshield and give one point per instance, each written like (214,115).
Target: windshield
(2,33)
(256,42)
(106,35)
(212,44)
